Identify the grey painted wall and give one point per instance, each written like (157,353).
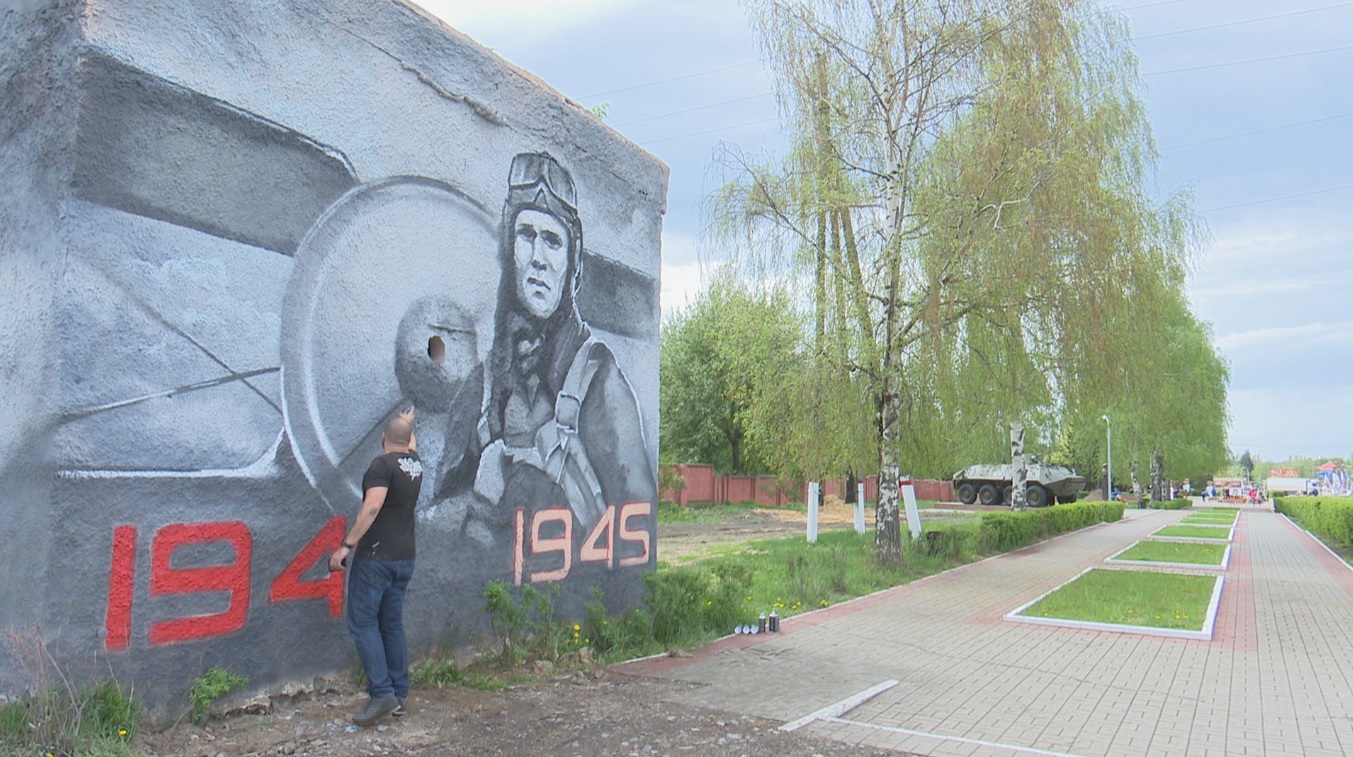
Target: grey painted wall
(233,232)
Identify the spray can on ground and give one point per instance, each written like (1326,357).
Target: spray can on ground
(774,622)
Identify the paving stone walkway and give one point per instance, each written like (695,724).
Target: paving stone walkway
(1276,679)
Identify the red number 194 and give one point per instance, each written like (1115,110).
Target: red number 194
(231,578)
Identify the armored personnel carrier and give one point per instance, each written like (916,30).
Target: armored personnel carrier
(992,484)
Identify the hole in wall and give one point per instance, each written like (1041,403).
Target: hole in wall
(436,349)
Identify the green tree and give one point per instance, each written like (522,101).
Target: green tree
(965,190)
(722,360)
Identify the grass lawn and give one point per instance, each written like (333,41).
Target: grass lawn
(1174,551)
(1198,520)
(1206,515)
(1131,597)
(1195,532)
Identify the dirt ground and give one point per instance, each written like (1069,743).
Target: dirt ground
(586,713)
(582,713)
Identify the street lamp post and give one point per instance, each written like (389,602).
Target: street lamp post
(1108,426)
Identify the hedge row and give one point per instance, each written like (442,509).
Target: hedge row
(1002,532)
(1329,518)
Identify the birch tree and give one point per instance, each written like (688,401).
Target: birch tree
(965,191)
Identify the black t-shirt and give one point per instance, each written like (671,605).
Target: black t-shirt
(391,534)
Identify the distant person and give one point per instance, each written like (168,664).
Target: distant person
(381,545)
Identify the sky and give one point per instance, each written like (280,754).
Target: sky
(1251,103)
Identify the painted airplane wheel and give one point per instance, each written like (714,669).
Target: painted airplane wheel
(390,305)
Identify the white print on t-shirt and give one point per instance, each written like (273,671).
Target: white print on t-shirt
(410,466)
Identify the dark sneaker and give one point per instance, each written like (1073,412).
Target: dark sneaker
(399,710)
(376,708)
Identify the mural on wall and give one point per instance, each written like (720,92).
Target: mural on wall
(242,306)
(529,428)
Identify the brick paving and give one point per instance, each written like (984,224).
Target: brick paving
(1276,679)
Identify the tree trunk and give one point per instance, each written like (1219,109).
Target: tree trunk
(888,520)
(1159,491)
(888,533)
(1018,486)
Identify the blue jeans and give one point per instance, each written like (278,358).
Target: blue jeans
(376,621)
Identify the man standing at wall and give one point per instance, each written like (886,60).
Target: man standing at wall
(381,544)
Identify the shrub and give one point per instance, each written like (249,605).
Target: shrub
(1330,518)
(1181,503)
(670,483)
(1002,532)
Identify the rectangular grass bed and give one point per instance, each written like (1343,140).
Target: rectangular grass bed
(1191,521)
(1168,604)
(1220,517)
(1220,533)
(1175,553)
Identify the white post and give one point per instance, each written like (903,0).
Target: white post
(814,497)
(859,508)
(913,514)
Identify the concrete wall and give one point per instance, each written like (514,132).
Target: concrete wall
(237,229)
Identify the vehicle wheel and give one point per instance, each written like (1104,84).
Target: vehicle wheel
(1008,495)
(1036,496)
(989,495)
(967,492)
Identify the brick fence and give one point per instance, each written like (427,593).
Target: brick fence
(704,486)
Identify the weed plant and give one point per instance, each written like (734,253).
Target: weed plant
(93,720)
(441,671)
(211,686)
(527,622)
(60,718)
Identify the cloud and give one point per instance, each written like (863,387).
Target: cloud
(1290,337)
(1247,287)
(684,274)
(681,284)
(1276,423)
